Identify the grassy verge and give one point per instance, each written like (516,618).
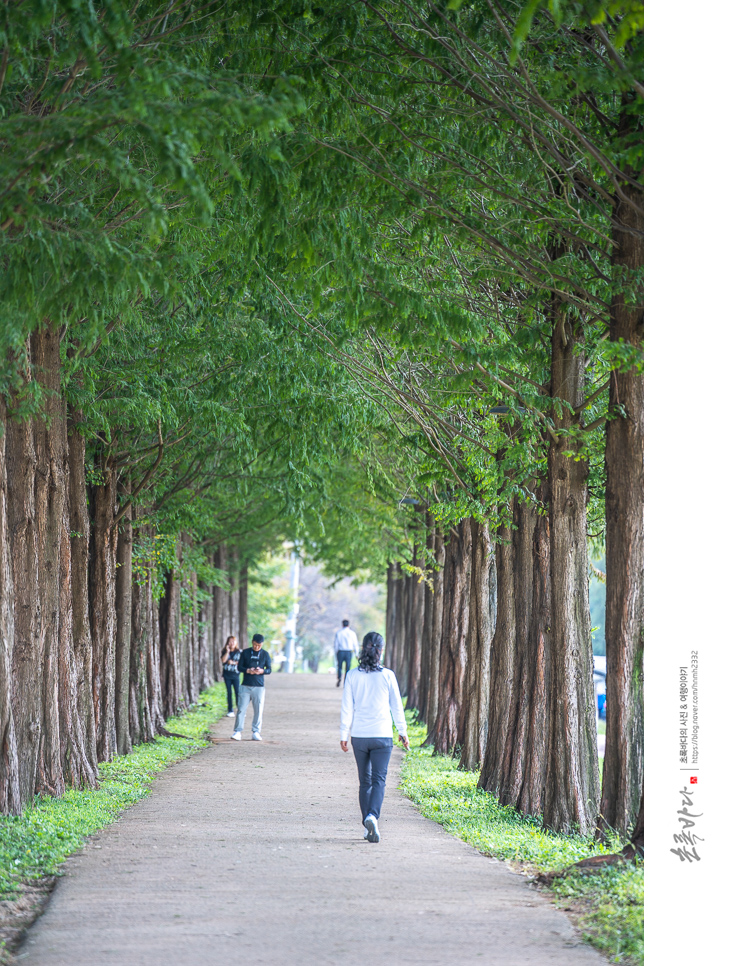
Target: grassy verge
(33,845)
(607,906)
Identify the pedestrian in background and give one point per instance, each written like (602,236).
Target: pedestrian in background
(345,648)
(254,663)
(370,699)
(230,656)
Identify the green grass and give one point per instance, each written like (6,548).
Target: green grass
(609,903)
(34,844)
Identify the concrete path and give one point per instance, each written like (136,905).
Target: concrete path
(252,853)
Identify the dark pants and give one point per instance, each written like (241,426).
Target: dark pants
(233,682)
(343,657)
(372,756)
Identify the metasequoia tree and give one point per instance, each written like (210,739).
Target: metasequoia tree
(537,216)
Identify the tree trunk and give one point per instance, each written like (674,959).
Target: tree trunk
(221,607)
(623,763)
(482,619)
(154,663)
(234,575)
(123,604)
(243,607)
(502,661)
(189,609)
(457,594)
(572,783)
(79,757)
(27,653)
(169,657)
(528,798)
(54,550)
(205,623)
(391,615)
(398,642)
(405,642)
(103,612)
(423,678)
(436,629)
(636,845)
(10,801)
(523,761)
(141,698)
(418,602)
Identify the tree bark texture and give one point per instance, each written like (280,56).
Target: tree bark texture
(391,613)
(234,566)
(243,607)
(205,649)
(454,635)
(527,795)
(415,633)
(572,781)
(123,605)
(79,755)
(102,604)
(141,695)
(10,800)
(482,619)
(423,679)
(221,607)
(170,676)
(523,760)
(502,660)
(54,550)
(623,763)
(436,615)
(27,653)
(397,643)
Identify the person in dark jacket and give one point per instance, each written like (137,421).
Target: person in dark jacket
(254,663)
(230,656)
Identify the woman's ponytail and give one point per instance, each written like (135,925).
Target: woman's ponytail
(371,652)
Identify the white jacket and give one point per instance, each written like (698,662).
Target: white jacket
(368,701)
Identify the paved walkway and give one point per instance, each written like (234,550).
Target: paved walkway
(252,853)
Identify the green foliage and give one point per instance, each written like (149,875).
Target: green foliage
(610,902)
(269,599)
(35,843)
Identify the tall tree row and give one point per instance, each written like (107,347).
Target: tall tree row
(499,242)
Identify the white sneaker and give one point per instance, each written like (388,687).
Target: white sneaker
(256,738)
(371,824)
(365,835)
(231,714)
(236,736)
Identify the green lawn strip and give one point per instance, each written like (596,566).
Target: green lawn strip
(34,844)
(608,905)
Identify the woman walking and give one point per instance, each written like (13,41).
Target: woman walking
(370,698)
(229,656)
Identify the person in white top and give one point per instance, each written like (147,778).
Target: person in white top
(345,646)
(369,700)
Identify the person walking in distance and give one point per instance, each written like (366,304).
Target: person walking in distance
(345,647)
(229,656)
(370,698)
(254,662)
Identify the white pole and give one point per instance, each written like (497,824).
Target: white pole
(291,624)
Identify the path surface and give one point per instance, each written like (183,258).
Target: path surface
(252,853)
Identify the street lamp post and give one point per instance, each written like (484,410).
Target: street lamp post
(291,624)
